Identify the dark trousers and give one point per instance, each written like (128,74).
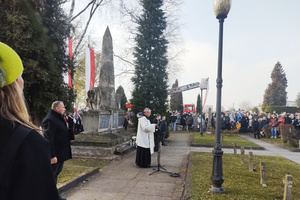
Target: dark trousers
(157,139)
(256,133)
(163,138)
(56,169)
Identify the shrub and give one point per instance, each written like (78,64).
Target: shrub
(280,109)
(289,134)
(267,130)
(284,131)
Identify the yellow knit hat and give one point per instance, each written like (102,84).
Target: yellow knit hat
(10,65)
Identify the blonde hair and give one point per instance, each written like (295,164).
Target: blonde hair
(13,107)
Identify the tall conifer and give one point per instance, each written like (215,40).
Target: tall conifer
(150,53)
(176,102)
(122,97)
(275,94)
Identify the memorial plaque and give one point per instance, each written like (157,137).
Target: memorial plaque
(121,120)
(116,119)
(104,122)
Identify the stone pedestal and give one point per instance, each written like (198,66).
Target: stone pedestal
(102,121)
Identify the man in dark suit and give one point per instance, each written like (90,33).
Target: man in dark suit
(56,131)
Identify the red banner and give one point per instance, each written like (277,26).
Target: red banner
(92,56)
(70,55)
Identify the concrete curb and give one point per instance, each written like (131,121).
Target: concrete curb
(227,147)
(187,193)
(77,180)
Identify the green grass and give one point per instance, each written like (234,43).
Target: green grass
(229,140)
(76,166)
(278,142)
(239,182)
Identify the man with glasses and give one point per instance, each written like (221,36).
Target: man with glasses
(145,139)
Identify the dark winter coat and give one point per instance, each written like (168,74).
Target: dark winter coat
(223,123)
(182,120)
(244,124)
(227,123)
(297,124)
(30,174)
(70,122)
(57,133)
(189,120)
(263,123)
(287,120)
(255,125)
(173,118)
(163,126)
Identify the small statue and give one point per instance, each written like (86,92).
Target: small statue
(94,98)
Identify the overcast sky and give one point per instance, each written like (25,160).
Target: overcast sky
(257,34)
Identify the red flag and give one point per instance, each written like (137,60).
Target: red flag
(70,49)
(92,81)
(70,55)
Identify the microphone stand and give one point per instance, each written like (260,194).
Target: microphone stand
(158,160)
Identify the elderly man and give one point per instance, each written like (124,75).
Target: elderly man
(145,139)
(57,133)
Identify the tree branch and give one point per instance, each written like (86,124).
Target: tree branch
(93,1)
(124,60)
(92,12)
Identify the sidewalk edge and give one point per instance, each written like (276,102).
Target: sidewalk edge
(77,180)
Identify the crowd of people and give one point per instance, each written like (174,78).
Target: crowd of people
(243,121)
(255,121)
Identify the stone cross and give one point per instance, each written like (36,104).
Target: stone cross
(287,181)
(263,173)
(222,137)
(251,161)
(242,155)
(234,150)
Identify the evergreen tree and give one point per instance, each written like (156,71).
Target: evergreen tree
(122,96)
(199,104)
(150,53)
(298,100)
(37,31)
(275,94)
(176,102)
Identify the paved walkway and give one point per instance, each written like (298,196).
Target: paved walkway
(271,150)
(124,180)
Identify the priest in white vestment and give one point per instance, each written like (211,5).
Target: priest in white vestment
(144,139)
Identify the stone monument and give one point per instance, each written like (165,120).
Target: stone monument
(104,115)
(103,122)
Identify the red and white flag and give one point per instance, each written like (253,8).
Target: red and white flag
(89,68)
(71,56)
(67,75)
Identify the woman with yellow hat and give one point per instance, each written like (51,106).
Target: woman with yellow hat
(25,170)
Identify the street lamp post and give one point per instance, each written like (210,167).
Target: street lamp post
(221,9)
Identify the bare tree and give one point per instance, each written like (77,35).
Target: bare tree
(245,105)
